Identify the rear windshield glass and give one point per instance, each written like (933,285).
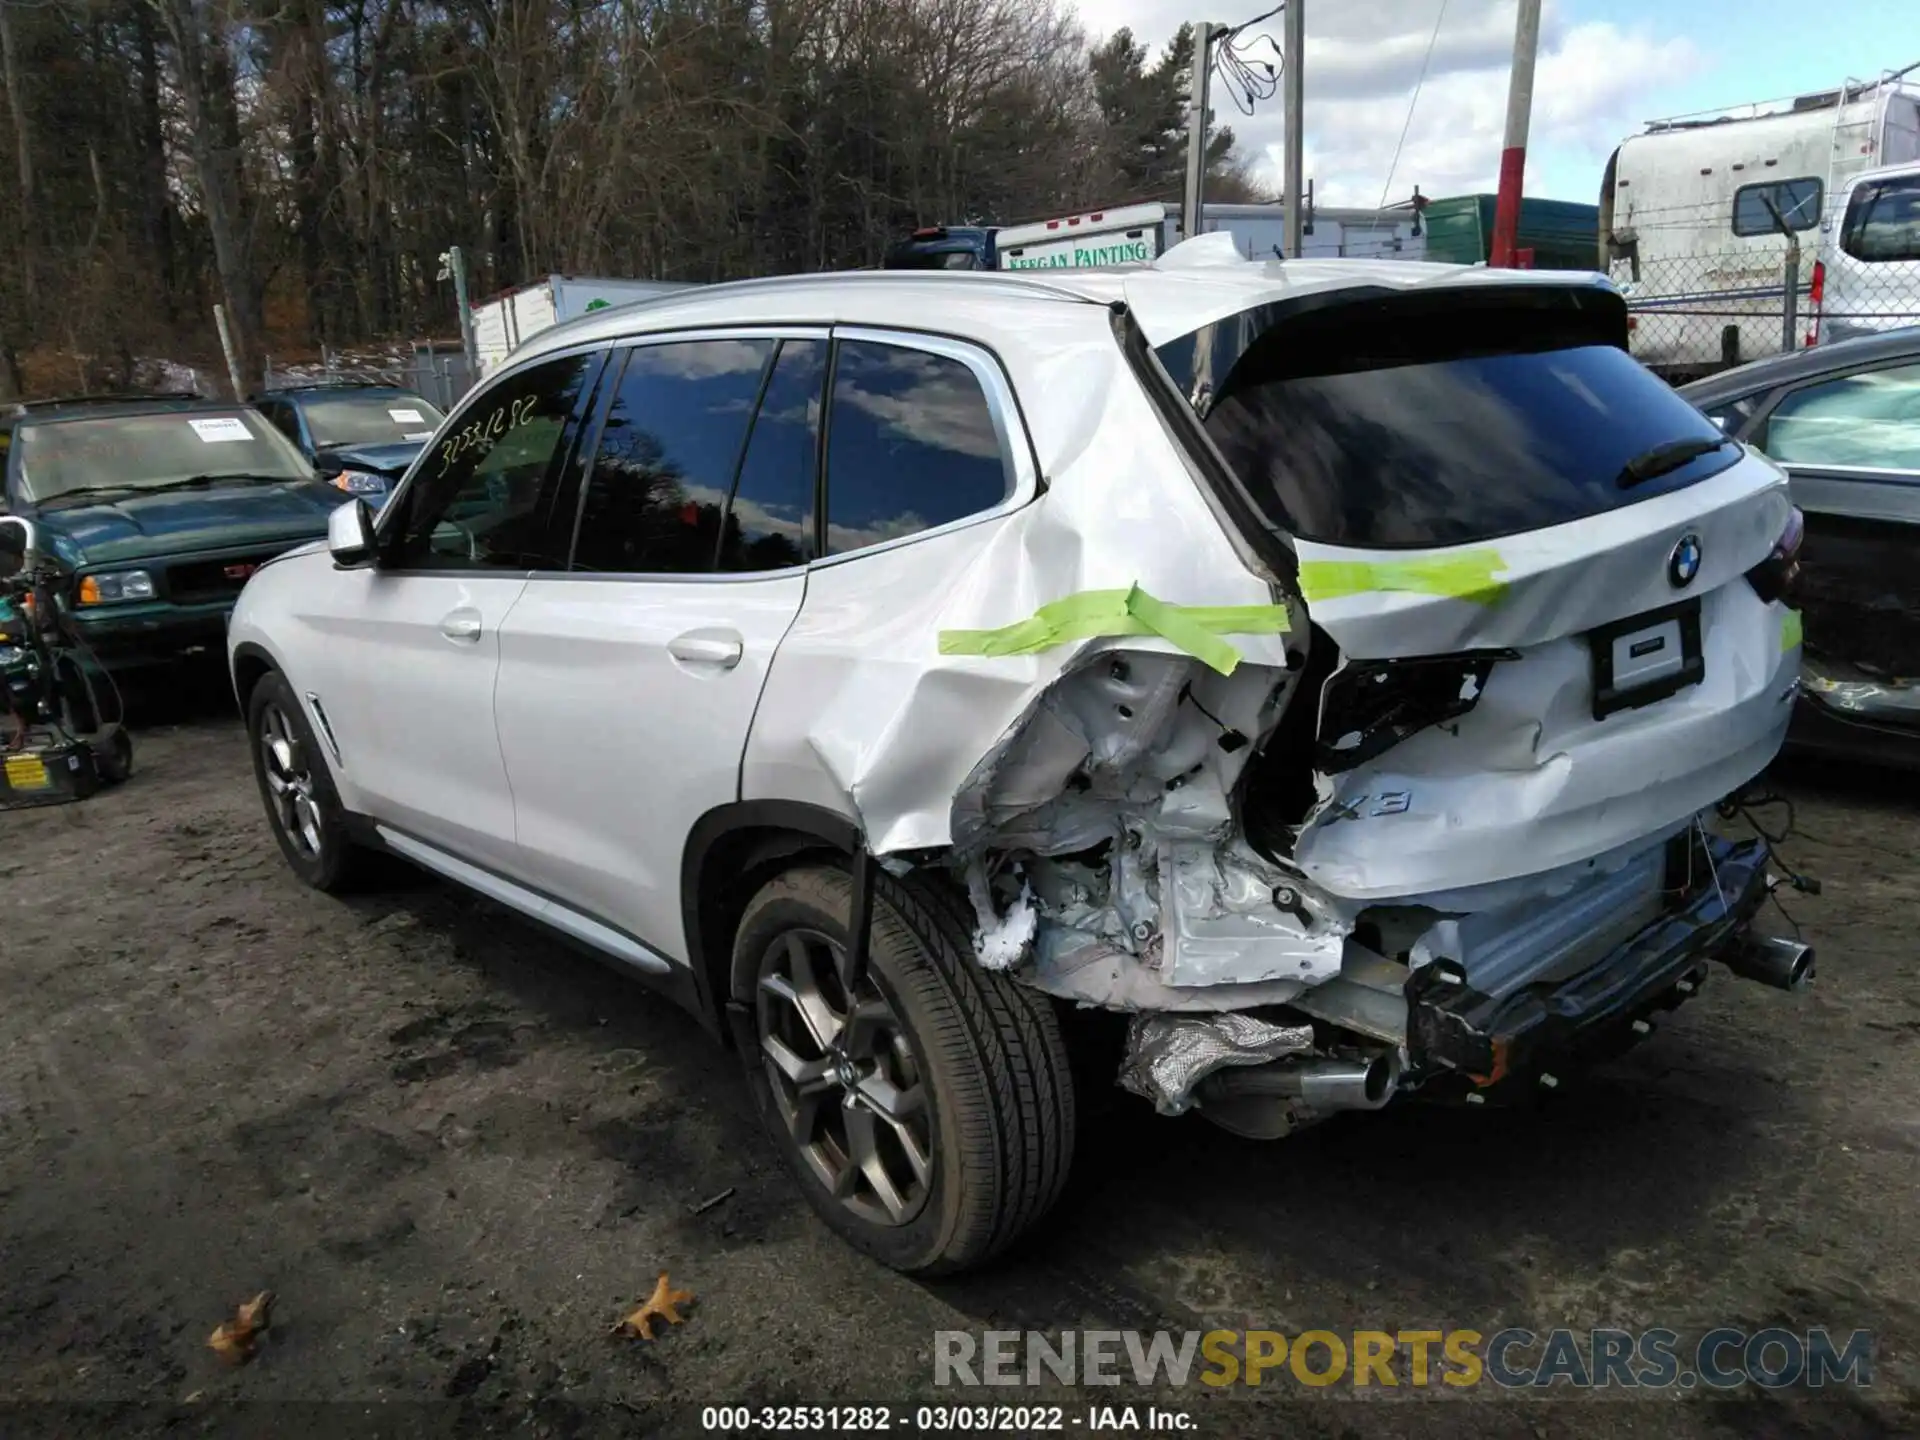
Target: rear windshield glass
(371,419)
(1384,430)
(1883,221)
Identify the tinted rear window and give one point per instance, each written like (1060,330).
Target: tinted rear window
(1382,430)
(1883,221)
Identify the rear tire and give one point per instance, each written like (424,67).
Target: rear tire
(929,1116)
(297,789)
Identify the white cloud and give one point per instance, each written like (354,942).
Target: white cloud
(1591,86)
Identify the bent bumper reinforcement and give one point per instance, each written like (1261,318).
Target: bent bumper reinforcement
(1454,1028)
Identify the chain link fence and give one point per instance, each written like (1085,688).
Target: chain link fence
(435,370)
(1692,315)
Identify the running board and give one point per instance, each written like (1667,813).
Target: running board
(568,921)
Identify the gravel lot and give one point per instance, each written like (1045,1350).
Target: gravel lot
(458,1152)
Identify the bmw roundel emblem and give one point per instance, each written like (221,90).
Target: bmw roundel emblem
(1684,563)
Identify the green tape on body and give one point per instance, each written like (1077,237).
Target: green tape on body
(1093,614)
(1465,576)
(1790,631)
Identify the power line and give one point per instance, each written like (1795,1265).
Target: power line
(1250,81)
(1417,84)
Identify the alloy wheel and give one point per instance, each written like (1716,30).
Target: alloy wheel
(844,1079)
(290,790)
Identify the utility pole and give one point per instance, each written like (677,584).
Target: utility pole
(1198,84)
(455,261)
(1293,60)
(1513,156)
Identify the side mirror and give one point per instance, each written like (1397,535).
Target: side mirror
(350,534)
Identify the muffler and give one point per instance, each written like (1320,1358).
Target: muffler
(1783,964)
(1319,1084)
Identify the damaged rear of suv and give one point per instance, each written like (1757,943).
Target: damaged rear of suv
(1335,668)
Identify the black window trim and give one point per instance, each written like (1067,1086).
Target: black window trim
(1819,205)
(620,350)
(1016,446)
(1003,403)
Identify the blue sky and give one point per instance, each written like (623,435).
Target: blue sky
(1748,50)
(1605,67)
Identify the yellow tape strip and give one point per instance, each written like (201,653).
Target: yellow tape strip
(1465,576)
(1790,631)
(1092,614)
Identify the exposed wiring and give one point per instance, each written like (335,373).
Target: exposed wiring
(1418,84)
(1249,80)
(1743,805)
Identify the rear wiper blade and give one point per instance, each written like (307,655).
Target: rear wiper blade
(1665,459)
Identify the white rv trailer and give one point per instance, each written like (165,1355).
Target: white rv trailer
(1687,230)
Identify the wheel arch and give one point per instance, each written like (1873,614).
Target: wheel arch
(249,664)
(731,852)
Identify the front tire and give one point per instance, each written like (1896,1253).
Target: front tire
(928,1114)
(297,789)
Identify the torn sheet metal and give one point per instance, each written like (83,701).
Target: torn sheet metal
(1168,1055)
(1528,781)
(864,710)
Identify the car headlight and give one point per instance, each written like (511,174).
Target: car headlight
(120,585)
(360,482)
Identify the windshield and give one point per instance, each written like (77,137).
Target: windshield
(142,452)
(370,420)
(1380,429)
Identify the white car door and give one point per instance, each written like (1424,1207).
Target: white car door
(406,653)
(628,682)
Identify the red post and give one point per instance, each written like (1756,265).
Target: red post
(1513,157)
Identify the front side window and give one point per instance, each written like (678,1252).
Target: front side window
(911,444)
(1381,426)
(1870,421)
(489,495)
(667,457)
(1883,221)
(1798,202)
(172,450)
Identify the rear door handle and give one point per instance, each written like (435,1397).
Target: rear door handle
(461,625)
(717,648)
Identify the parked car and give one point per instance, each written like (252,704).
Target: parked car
(360,438)
(1867,278)
(160,507)
(1843,420)
(1329,667)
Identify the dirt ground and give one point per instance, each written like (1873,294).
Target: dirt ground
(458,1152)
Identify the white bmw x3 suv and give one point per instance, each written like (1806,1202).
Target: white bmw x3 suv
(1333,666)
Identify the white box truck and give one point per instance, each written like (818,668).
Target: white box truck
(502,323)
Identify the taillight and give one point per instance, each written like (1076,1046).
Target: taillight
(1772,579)
(1816,292)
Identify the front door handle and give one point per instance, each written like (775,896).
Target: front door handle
(462,625)
(718,648)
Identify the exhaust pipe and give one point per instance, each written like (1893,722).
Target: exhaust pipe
(1783,964)
(1321,1084)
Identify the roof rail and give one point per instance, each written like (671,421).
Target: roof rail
(331,382)
(109,397)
